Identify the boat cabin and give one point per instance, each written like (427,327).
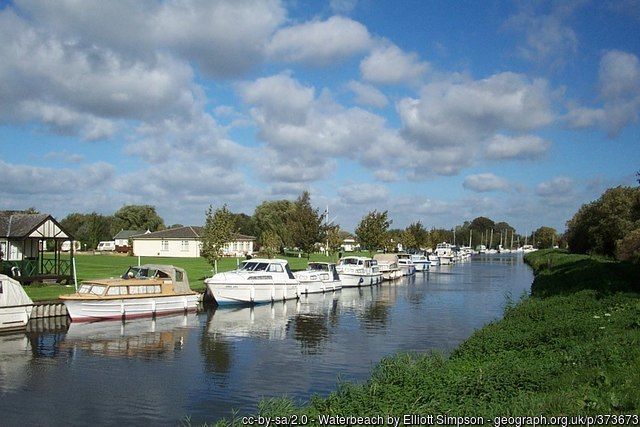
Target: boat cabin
(23,248)
(267,266)
(358,262)
(324,267)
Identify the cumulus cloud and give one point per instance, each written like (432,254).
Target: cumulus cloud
(524,147)
(619,85)
(342,6)
(367,94)
(558,186)
(388,64)
(362,193)
(448,125)
(547,38)
(320,42)
(484,182)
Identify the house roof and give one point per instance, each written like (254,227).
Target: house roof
(125,234)
(193,232)
(19,225)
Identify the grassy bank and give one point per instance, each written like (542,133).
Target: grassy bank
(571,348)
(93,266)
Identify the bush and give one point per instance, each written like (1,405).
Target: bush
(628,248)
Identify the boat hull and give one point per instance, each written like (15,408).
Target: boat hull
(14,318)
(408,270)
(244,293)
(351,280)
(319,286)
(91,309)
(421,265)
(391,274)
(445,260)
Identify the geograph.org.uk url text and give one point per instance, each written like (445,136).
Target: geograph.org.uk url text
(443,420)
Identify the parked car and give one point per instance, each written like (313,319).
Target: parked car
(108,245)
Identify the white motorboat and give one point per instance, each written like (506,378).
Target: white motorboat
(406,265)
(359,271)
(421,262)
(433,259)
(255,281)
(146,290)
(444,253)
(528,248)
(388,265)
(15,305)
(318,277)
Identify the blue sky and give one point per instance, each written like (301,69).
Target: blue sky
(435,111)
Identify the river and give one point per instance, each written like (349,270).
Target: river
(209,364)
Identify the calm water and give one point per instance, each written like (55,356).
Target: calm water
(206,364)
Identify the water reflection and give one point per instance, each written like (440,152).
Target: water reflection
(161,336)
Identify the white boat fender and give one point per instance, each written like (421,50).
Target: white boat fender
(252,293)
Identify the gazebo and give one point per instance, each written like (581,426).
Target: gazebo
(23,244)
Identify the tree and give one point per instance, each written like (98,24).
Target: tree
(304,224)
(273,216)
(482,223)
(89,229)
(270,243)
(218,231)
(628,248)
(597,226)
(333,236)
(408,240)
(545,237)
(372,229)
(420,235)
(244,224)
(139,217)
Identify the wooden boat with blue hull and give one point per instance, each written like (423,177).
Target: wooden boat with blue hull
(319,277)
(358,271)
(15,305)
(146,290)
(255,281)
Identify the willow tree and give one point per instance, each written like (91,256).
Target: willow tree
(218,231)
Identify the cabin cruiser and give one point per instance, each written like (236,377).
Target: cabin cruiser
(256,281)
(528,248)
(359,271)
(146,290)
(433,259)
(421,262)
(406,265)
(388,266)
(15,305)
(444,253)
(318,277)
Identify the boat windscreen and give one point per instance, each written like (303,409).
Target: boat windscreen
(349,261)
(318,267)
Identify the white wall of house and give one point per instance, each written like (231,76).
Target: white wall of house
(122,242)
(176,248)
(239,248)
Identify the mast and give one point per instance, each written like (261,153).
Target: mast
(491,239)
(511,246)
(470,234)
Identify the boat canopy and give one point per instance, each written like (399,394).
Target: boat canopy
(386,258)
(159,271)
(12,293)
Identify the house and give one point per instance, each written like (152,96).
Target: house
(349,245)
(185,242)
(122,239)
(23,242)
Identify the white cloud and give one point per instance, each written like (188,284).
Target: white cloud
(619,85)
(388,64)
(484,182)
(558,186)
(523,147)
(452,120)
(547,38)
(367,94)
(362,193)
(320,42)
(342,6)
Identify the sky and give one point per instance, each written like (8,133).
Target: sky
(436,111)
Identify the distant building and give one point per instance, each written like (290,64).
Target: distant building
(349,245)
(23,240)
(122,239)
(185,242)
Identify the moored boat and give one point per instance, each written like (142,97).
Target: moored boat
(318,277)
(421,262)
(15,305)
(388,266)
(255,281)
(146,290)
(406,265)
(444,253)
(359,271)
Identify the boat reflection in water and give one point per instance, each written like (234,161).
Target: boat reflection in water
(15,358)
(145,337)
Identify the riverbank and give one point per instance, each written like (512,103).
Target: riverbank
(570,348)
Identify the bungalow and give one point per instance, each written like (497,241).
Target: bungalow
(122,239)
(185,242)
(350,245)
(23,243)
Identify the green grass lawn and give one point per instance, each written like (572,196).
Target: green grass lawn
(92,266)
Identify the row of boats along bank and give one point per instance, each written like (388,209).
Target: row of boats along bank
(151,289)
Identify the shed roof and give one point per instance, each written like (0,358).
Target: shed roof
(21,225)
(125,234)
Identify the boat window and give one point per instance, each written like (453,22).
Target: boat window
(113,290)
(157,289)
(84,289)
(97,289)
(261,266)
(248,266)
(179,275)
(348,261)
(133,290)
(150,289)
(275,268)
(0,287)
(289,273)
